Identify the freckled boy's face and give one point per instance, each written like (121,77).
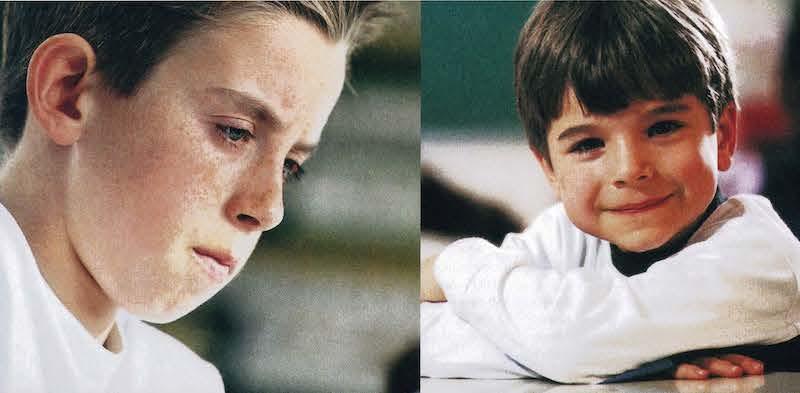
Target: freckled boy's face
(638,177)
(168,192)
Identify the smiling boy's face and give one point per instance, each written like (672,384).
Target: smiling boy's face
(167,190)
(640,176)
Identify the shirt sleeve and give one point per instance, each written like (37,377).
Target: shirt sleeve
(735,285)
(451,348)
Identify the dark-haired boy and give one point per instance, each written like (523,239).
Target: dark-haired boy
(630,110)
(152,143)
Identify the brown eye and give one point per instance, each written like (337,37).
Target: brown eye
(664,128)
(586,145)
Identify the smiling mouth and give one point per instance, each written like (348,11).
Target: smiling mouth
(218,265)
(640,207)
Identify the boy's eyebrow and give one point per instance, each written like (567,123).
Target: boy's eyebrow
(570,131)
(670,107)
(667,108)
(256,107)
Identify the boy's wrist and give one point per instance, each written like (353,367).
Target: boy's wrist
(430,291)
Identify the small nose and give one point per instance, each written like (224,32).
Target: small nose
(633,164)
(257,204)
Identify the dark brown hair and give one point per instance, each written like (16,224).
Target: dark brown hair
(129,39)
(614,53)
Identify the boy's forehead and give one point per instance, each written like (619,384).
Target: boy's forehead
(286,71)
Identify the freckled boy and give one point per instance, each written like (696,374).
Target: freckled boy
(151,144)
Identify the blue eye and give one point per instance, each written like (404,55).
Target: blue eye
(292,170)
(664,128)
(587,145)
(234,134)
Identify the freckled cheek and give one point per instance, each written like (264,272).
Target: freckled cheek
(581,184)
(165,190)
(579,188)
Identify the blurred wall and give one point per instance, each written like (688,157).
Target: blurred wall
(471,136)
(467,78)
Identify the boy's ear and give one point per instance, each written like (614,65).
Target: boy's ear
(547,168)
(58,75)
(726,137)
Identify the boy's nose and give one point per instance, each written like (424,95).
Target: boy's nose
(632,165)
(257,204)
(270,218)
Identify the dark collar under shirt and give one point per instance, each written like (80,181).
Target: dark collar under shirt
(632,263)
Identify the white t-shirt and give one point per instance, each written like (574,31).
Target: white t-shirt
(44,348)
(549,302)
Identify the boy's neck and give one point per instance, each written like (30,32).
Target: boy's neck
(32,189)
(632,263)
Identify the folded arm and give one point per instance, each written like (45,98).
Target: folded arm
(579,325)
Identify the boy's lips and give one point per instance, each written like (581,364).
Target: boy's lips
(642,206)
(218,264)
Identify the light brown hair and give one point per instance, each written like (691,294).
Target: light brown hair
(130,39)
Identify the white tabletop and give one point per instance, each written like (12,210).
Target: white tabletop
(782,382)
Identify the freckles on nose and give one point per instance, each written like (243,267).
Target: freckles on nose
(258,204)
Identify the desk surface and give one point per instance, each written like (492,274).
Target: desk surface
(771,383)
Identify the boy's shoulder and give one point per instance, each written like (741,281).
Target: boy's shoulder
(749,222)
(751,215)
(745,204)
(170,365)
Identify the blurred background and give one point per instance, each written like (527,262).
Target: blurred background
(328,301)
(474,155)
(479,177)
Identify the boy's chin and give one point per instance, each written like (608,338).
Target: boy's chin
(639,242)
(159,316)
(163,313)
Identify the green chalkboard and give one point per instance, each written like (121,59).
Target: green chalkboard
(467,65)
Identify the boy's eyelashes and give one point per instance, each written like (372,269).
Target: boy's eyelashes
(586,145)
(234,136)
(664,127)
(661,128)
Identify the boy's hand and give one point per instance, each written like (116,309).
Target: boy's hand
(429,290)
(728,366)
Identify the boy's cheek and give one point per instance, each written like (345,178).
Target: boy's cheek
(696,171)
(579,205)
(578,186)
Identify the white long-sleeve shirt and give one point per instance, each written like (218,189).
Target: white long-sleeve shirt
(550,303)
